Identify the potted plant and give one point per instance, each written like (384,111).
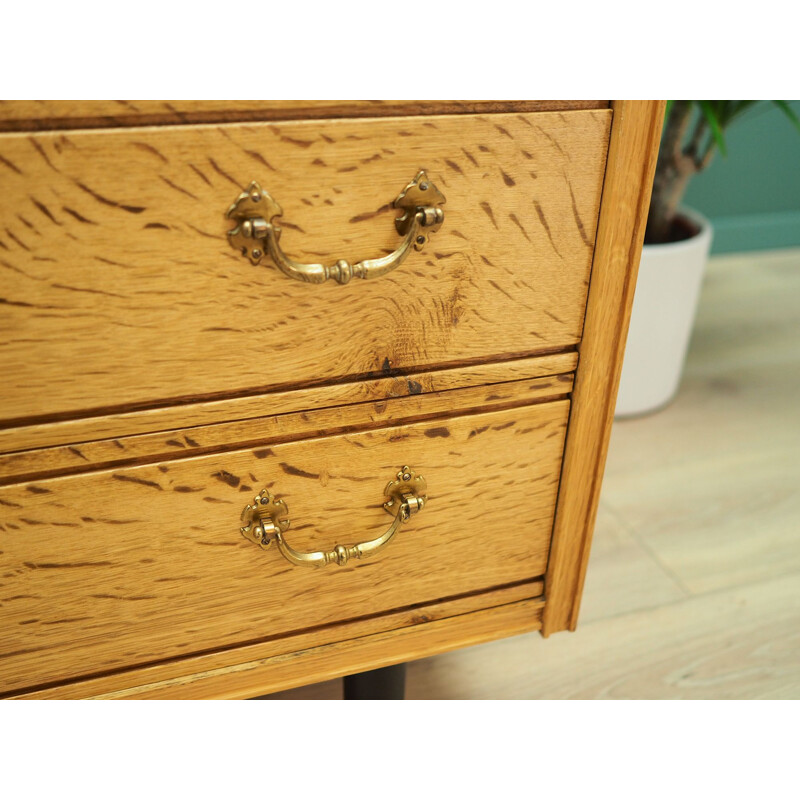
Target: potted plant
(676,247)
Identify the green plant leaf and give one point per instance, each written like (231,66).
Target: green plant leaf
(667,108)
(710,112)
(738,107)
(789,112)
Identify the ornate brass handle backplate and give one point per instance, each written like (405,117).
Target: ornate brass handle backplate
(256,234)
(266,520)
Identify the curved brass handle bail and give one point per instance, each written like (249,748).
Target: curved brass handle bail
(266,521)
(256,234)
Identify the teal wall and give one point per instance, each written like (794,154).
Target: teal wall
(752,196)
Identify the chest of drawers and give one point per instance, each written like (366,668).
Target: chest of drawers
(292,391)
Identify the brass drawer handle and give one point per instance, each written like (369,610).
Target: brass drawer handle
(266,520)
(255,210)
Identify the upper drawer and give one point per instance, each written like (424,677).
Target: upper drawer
(120,288)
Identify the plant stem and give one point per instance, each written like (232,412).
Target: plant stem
(673,170)
(693,150)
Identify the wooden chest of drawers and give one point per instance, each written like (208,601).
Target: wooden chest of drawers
(170,401)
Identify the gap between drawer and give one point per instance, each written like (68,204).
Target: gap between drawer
(260,433)
(184,417)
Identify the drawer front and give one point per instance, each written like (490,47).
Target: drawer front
(120,289)
(116,568)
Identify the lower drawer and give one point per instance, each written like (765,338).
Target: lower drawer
(118,568)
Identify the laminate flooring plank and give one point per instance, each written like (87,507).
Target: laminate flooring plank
(711,485)
(735,644)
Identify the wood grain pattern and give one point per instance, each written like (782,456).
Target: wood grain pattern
(123,567)
(635,137)
(167,418)
(119,286)
(354,655)
(127,318)
(27,115)
(285,658)
(268,430)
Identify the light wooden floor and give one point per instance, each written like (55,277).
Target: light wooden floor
(693,588)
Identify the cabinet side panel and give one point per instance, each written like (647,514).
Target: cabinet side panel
(635,136)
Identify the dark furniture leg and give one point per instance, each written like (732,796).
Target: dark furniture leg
(387,683)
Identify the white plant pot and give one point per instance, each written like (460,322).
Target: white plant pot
(664,306)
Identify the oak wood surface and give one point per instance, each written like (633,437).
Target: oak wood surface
(360,654)
(24,115)
(154,591)
(337,395)
(208,675)
(123,567)
(119,287)
(633,148)
(267,430)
